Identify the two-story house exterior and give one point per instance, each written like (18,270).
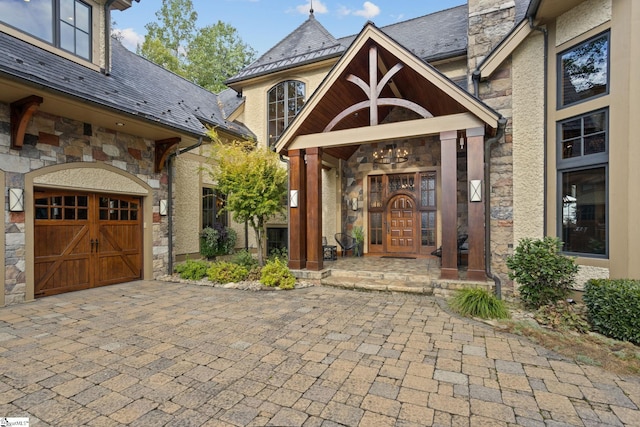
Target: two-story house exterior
(89,134)
(496,119)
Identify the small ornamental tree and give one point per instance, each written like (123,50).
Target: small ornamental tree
(543,273)
(253,180)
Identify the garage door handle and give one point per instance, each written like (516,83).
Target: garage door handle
(92,243)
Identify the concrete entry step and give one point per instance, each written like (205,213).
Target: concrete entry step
(366,283)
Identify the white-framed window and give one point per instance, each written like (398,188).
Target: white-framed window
(284,100)
(63,23)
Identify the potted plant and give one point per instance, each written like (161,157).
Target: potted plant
(358,235)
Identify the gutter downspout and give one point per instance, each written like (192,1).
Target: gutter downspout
(545,136)
(168,162)
(502,124)
(107,36)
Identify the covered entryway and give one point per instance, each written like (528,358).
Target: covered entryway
(380,95)
(83,240)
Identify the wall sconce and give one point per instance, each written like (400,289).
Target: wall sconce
(475,190)
(163,207)
(354,204)
(16,199)
(293,198)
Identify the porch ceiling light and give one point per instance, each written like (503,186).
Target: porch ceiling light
(390,155)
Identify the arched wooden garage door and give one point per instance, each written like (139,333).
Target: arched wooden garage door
(84,240)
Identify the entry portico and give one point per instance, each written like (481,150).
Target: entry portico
(357,104)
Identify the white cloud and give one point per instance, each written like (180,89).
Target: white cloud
(129,38)
(318,7)
(369,10)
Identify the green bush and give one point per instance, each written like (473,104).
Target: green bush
(614,308)
(192,270)
(276,273)
(543,273)
(245,259)
(219,240)
(281,253)
(477,302)
(563,316)
(226,272)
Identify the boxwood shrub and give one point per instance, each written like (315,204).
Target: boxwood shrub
(614,308)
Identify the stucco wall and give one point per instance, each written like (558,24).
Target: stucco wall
(255,109)
(187,202)
(581,19)
(528,139)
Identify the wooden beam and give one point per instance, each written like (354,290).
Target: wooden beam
(297,213)
(449,174)
(163,147)
(314,209)
(475,210)
(21,112)
(388,131)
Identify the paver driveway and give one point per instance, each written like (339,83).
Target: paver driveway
(152,354)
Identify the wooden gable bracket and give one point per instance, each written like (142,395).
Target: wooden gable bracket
(163,148)
(373,89)
(21,112)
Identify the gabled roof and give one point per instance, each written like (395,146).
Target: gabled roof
(415,85)
(135,87)
(310,42)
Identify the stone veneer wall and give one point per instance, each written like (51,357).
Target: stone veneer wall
(489,23)
(52,140)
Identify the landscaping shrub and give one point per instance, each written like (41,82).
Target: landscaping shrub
(192,269)
(226,272)
(563,316)
(477,302)
(217,240)
(614,308)
(281,253)
(543,273)
(276,273)
(245,259)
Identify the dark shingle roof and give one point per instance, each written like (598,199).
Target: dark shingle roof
(310,42)
(229,101)
(435,36)
(135,86)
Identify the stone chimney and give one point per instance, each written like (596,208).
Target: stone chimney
(489,22)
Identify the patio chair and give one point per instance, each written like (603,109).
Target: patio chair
(346,242)
(461,240)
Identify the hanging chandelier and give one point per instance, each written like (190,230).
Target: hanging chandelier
(390,155)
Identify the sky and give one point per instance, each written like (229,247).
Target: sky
(263,23)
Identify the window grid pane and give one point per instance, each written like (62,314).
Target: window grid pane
(284,102)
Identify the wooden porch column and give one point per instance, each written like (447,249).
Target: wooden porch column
(297,215)
(314,209)
(475,172)
(449,269)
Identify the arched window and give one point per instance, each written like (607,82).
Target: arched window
(284,101)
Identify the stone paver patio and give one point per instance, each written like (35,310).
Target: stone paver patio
(154,354)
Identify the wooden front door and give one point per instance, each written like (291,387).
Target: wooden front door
(85,240)
(401,233)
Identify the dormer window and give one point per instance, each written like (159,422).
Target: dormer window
(63,23)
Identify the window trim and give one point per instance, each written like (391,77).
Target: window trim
(56,33)
(271,142)
(577,164)
(559,85)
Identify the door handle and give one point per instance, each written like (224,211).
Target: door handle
(92,243)
(97,243)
